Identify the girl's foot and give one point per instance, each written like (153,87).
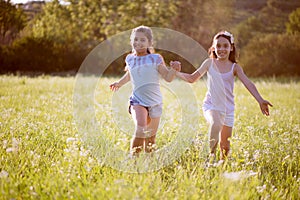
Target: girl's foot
(219,163)
(211,159)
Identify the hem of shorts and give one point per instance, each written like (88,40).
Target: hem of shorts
(155,116)
(148,106)
(230,126)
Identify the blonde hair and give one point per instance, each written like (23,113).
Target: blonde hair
(148,33)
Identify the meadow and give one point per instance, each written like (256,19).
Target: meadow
(44,155)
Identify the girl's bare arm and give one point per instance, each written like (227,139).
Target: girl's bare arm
(191,78)
(169,73)
(116,85)
(253,90)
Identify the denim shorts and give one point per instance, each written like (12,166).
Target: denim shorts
(153,111)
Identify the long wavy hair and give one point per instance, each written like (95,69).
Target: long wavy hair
(229,37)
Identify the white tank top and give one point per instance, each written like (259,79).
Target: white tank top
(220,90)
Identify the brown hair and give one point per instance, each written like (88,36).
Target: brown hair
(148,33)
(229,37)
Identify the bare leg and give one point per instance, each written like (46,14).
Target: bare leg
(225,142)
(139,116)
(215,120)
(150,141)
(137,145)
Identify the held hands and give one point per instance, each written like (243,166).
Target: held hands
(264,107)
(176,65)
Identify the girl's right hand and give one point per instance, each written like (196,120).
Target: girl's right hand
(115,86)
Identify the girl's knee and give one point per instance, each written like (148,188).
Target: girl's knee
(217,121)
(142,132)
(216,124)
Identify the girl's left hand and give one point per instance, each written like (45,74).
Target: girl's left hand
(264,107)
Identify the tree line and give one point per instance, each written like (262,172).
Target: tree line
(61,35)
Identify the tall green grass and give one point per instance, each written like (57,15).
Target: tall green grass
(43,155)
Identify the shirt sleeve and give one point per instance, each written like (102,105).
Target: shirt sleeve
(159,60)
(127,59)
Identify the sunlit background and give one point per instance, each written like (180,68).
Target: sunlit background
(43,44)
(54,37)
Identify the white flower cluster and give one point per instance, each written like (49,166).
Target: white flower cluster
(229,35)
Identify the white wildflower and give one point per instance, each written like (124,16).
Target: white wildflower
(235,176)
(11,149)
(260,189)
(3,174)
(70,139)
(4,144)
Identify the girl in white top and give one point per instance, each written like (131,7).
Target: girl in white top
(218,105)
(143,69)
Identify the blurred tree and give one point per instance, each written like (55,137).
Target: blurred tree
(253,5)
(12,21)
(293,25)
(248,29)
(201,19)
(156,13)
(272,54)
(88,22)
(285,6)
(53,23)
(83,24)
(271,18)
(275,14)
(71,30)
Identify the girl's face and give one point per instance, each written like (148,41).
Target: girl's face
(222,47)
(140,43)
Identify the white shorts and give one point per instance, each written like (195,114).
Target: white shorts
(228,119)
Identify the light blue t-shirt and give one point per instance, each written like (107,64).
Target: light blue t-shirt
(145,78)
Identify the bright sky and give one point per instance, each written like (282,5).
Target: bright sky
(25,1)
(20,1)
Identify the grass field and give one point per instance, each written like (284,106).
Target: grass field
(43,154)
